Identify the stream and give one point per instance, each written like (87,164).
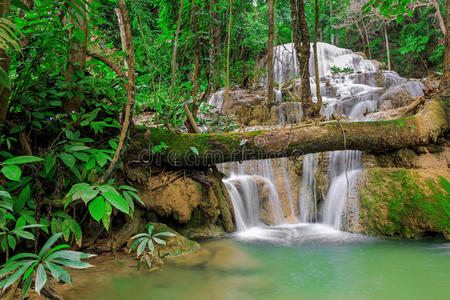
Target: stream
(305,261)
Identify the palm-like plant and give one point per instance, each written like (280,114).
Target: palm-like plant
(49,260)
(145,240)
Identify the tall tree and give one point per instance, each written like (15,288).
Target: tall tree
(174,63)
(316,58)
(303,48)
(228,65)
(76,60)
(270,94)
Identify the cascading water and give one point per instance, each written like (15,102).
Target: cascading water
(355,93)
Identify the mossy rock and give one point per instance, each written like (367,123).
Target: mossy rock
(175,246)
(406,203)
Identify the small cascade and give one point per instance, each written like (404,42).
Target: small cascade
(342,188)
(308,197)
(255,201)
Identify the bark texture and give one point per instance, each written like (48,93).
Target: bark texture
(77,58)
(377,136)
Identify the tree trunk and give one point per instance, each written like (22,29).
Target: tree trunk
(174,64)
(270,44)
(308,108)
(4,64)
(388,54)
(445,80)
(228,66)
(318,105)
(439,15)
(76,60)
(130,86)
(367,38)
(216,33)
(362,38)
(377,136)
(198,52)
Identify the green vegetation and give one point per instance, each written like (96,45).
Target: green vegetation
(400,202)
(74,73)
(145,241)
(48,261)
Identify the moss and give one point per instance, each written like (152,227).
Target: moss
(402,202)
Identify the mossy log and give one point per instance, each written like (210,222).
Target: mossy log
(285,141)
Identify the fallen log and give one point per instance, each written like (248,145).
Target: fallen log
(285,141)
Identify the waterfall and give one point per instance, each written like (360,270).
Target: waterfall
(308,199)
(336,199)
(257,187)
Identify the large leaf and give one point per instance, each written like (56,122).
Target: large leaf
(58,272)
(106,219)
(71,263)
(19,160)
(16,275)
(117,201)
(12,172)
(68,159)
(97,208)
(49,243)
(41,279)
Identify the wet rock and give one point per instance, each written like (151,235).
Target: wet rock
(408,203)
(401,94)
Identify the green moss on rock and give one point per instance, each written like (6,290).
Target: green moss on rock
(406,203)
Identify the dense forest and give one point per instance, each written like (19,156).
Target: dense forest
(94,94)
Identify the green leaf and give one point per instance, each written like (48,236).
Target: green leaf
(26,285)
(12,242)
(41,279)
(76,229)
(137,242)
(12,172)
(77,148)
(24,234)
(69,255)
(16,129)
(5,80)
(141,248)
(90,164)
(97,208)
(18,160)
(127,188)
(195,150)
(101,158)
(67,159)
(20,4)
(16,275)
(81,156)
(168,234)
(117,201)
(159,241)
(24,196)
(49,243)
(58,272)
(71,263)
(107,215)
(150,229)
(49,163)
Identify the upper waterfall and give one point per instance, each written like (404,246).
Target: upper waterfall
(329,56)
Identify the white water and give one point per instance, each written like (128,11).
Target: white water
(353,95)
